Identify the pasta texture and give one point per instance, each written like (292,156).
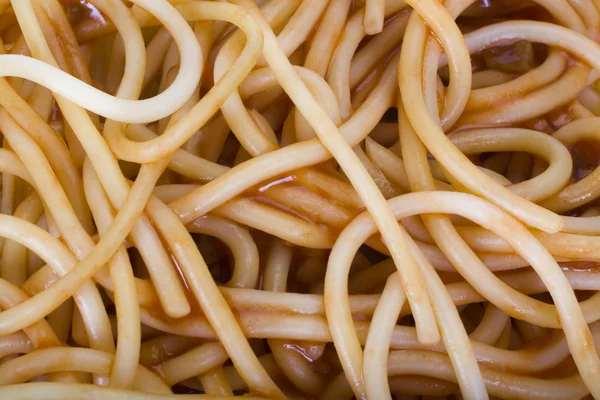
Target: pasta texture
(319,199)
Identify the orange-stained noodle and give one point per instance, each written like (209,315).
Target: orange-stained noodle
(276,199)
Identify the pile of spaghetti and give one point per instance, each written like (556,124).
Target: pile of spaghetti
(300,199)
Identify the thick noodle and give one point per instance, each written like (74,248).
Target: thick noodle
(299,199)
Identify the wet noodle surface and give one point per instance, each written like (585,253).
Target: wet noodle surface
(299,199)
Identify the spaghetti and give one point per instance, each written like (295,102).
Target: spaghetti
(299,199)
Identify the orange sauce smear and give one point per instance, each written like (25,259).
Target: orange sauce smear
(80,10)
(586,158)
(580,266)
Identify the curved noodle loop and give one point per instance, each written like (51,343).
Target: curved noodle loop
(299,199)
